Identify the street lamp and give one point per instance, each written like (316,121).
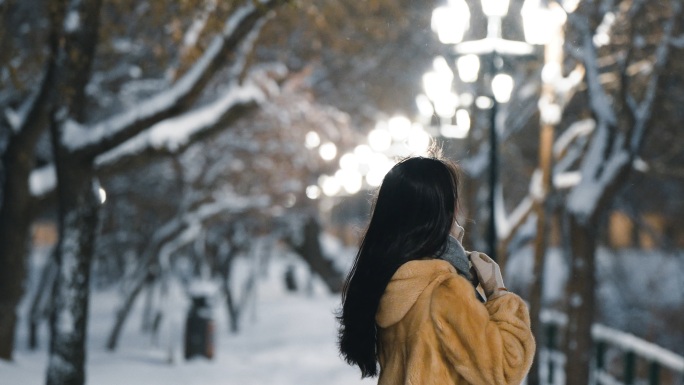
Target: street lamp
(451,22)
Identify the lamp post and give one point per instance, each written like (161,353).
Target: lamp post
(450,22)
(542,26)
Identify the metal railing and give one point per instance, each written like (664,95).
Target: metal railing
(619,358)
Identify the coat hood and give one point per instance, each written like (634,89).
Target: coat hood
(406,285)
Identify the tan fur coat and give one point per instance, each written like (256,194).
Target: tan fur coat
(433,330)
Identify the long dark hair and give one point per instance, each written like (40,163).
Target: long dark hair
(411,219)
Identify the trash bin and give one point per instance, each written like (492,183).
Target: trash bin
(199,328)
(290,279)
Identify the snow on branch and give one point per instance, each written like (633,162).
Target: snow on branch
(192,35)
(226,203)
(568,148)
(597,173)
(14,119)
(186,226)
(599,100)
(565,87)
(171,134)
(33,111)
(43,180)
(239,29)
(577,129)
(507,225)
(566,180)
(17,118)
(573,154)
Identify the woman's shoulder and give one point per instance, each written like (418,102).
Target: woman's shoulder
(439,272)
(425,267)
(455,288)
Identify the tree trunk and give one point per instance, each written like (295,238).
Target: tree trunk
(125,309)
(231,309)
(147,323)
(15,222)
(77,194)
(537,289)
(310,251)
(18,207)
(231,305)
(40,305)
(8,321)
(78,216)
(235,310)
(541,208)
(580,297)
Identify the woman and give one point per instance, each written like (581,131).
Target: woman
(409,304)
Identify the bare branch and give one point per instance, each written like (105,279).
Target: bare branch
(33,116)
(645,108)
(597,95)
(665,170)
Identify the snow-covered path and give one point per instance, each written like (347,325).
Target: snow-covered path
(286,339)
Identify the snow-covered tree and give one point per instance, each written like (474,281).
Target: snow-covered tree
(616,90)
(354,56)
(228,191)
(625,52)
(80,136)
(76,145)
(21,63)
(626,49)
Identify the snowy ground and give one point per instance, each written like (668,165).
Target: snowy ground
(289,338)
(285,339)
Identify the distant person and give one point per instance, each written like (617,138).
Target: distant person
(410,303)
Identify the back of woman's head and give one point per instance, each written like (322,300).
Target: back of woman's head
(411,219)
